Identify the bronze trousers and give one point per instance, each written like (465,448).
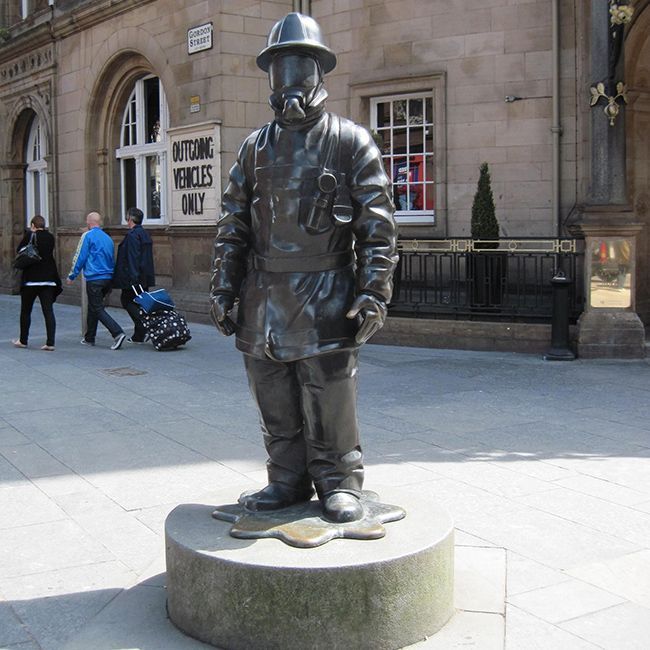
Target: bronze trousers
(308,413)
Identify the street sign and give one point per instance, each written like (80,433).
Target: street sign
(199,38)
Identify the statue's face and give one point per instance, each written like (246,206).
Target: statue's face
(294,80)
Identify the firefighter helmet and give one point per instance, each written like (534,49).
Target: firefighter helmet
(297,32)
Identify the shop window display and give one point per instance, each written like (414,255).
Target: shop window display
(404,130)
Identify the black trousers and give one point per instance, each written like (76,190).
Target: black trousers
(126,298)
(96,290)
(308,413)
(46,297)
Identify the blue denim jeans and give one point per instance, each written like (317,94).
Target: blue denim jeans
(96,291)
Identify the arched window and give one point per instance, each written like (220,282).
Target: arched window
(36,173)
(142,151)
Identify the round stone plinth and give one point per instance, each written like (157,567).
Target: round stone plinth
(376,594)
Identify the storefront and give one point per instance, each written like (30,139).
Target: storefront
(145,102)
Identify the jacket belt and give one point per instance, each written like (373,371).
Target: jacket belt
(308,264)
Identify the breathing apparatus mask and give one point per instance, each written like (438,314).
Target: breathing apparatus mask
(296,85)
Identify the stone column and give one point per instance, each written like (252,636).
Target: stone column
(609,326)
(12,216)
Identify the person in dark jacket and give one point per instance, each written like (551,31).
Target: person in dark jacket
(307,245)
(134,268)
(40,280)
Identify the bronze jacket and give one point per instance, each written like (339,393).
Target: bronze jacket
(280,250)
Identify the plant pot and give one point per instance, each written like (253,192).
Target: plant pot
(486,275)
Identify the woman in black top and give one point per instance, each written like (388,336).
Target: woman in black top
(40,280)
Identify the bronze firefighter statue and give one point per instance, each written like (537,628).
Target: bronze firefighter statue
(306,248)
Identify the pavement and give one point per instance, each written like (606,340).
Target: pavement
(544,466)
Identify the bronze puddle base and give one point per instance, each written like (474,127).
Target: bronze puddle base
(302,525)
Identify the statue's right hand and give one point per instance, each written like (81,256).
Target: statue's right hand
(219,312)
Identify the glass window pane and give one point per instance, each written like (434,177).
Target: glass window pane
(417,196)
(401,183)
(128,125)
(428,139)
(415,111)
(429,173)
(399,141)
(428,111)
(130,193)
(37,192)
(383,114)
(399,112)
(153,187)
(152,109)
(416,140)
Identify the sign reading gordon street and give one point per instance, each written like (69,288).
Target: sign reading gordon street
(195,176)
(199,38)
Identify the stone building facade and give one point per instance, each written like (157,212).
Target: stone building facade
(108,104)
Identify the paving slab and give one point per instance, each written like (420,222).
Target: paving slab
(627,576)
(38,548)
(527,632)
(24,504)
(10,436)
(33,461)
(623,626)
(99,576)
(610,518)
(605,490)
(9,474)
(548,539)
(12,629)
(467,630)
(566,600)
(52,621)
(137,618)
(480,579)
(525,575)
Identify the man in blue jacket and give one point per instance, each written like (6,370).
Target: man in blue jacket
(94,256)
(133,268)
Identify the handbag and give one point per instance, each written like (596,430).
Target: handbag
(28,254)
(151,301)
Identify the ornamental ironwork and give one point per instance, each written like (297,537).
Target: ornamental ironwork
(487,246)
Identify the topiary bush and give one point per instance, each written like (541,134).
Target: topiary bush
(485,224)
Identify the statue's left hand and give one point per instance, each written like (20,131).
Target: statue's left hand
(372,313)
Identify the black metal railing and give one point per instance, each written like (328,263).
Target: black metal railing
(502,279)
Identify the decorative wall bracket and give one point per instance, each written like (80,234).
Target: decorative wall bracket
(613,106)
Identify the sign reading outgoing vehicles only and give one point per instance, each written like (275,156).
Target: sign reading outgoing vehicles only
(199,38)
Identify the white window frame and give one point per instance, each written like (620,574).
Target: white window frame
(141,150)
(36,150)
(422,216)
